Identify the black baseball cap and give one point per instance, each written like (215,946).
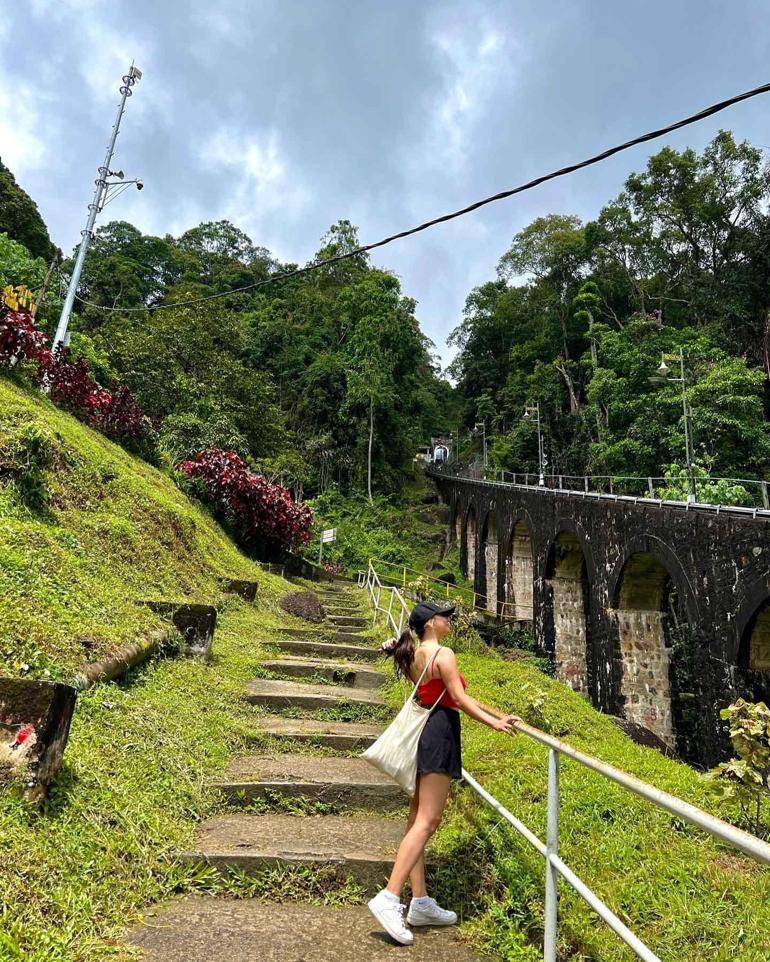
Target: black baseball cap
(425,610)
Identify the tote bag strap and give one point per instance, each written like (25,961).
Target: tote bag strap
(422,675)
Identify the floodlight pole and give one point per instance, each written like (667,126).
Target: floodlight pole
(94,207)
(529,410)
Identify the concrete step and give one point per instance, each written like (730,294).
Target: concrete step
(348,621)
(355,676)
(201,928)
(362,846)
(346,783)
(326,632)
(345,736)
(292,694)
(326,649)
(350,634)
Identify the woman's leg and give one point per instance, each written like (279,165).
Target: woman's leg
(417,875)
(434,789)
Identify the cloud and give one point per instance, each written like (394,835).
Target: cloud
(22,138)
(471,67)
(258,181)
(287,115)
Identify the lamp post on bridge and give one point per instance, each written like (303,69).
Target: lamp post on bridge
(529,410)
(662,377)
(482,426)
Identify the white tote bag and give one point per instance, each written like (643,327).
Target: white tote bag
(395,751)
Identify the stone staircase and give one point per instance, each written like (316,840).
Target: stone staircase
(358,841)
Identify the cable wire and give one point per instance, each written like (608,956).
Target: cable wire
(502,195)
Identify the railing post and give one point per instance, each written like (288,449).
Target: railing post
(404,581)
(765,499)
(561,482)
(552,848)
(650,488)
(585,483)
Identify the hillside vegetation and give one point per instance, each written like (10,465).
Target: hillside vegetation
(86,531)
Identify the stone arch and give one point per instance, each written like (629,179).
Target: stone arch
(469,545)
(488,555)
(566,597)
(652,609)
(754,641)
(519,573)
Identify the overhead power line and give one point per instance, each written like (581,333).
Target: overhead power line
(502,195)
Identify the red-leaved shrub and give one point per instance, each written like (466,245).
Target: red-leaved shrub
(20,340)
(68,382)
(260,512)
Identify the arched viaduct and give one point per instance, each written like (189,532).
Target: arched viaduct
(656,611)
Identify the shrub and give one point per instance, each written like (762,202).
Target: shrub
(303,604)
(745,780)
(20,340)
(68,381)
(260,513)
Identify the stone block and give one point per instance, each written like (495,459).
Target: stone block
(237,586)
(196,623)
(35,721)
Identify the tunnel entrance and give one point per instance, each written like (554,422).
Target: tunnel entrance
(566,608)
(519,576)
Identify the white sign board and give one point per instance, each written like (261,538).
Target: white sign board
(329,535)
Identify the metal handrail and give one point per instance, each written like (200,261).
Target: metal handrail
(478,601)
(555,866)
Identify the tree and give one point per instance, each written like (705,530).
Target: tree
(20,218)
(370,310)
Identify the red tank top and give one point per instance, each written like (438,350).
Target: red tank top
(429,691)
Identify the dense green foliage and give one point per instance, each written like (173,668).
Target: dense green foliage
(580,314)
(302,376)
(20,218)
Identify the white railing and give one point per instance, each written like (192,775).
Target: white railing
(555,867)
(396,611)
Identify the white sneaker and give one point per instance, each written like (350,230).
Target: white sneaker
(430,913)
(390,914)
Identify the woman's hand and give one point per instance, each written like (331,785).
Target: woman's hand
(505,724)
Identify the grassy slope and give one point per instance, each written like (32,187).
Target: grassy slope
(133,784)
(114,530)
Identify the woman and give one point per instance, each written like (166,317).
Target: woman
(438,762)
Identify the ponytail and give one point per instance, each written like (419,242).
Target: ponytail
(401,650)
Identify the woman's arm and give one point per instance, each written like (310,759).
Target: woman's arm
(446,662)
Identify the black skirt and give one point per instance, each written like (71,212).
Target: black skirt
(439,747)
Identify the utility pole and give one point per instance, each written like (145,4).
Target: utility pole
(41,295)
(99,199)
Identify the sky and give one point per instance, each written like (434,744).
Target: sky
(287,116)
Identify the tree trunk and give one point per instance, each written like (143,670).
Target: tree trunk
(371,439)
